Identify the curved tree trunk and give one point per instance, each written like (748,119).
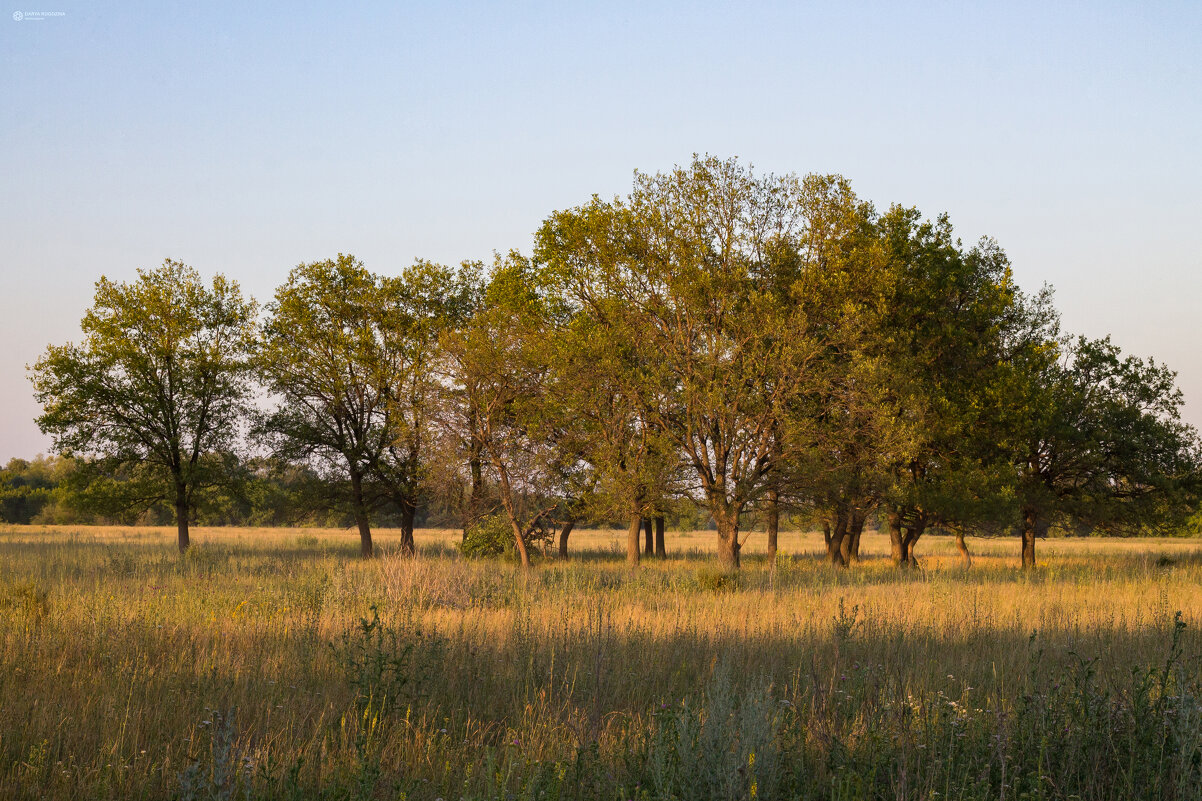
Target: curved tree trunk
(773,524)
(910,539)
(632,540)
(563,538)
(661,549)
(962,547)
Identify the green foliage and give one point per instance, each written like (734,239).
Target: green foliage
(158,384)
(386,665)
(489,536)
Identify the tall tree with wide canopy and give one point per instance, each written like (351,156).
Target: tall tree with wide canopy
(692,266)
(497,363)
(335,353)
(1099,443)
(159,382)
(942,341)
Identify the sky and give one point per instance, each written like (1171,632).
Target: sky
(245,140)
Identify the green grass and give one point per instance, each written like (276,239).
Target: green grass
(276,664)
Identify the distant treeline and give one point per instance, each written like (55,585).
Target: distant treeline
(719,346)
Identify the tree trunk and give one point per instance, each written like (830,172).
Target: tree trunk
(855,529)
(728,541)
(910,540)
(519,536)
(962,547)
(838,535)
(826,535)
(408,513)
(661,550)
(563,538)
(359,508)
(773,524)
(648,536)
(519,542)
(895,537)
(1030,522)
(632,540)
(181,514)
(475,467)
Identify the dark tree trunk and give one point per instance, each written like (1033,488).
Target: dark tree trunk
(855,529)
(181,514)
(632,540)
(773,524)
(648,536)
(1030,527)
(408,513)
(563,538)
(661,549)
(962,547)
(359,508)
(838,535)
(826,535)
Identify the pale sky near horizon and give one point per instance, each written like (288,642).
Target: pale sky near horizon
(246,140)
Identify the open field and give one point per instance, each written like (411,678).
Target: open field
(252,667)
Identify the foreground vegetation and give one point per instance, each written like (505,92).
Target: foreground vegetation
(277,664)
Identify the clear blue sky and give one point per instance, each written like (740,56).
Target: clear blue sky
(246,140)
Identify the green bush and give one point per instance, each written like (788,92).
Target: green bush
(488,536)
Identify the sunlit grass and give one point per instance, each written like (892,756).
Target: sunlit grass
(115,651)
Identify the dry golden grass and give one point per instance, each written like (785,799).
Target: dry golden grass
(114,651)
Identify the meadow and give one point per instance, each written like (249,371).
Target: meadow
(274,663)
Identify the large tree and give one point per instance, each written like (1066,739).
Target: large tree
(332,354)
(498,368)
(1098,443)
(696,270)
(158,383)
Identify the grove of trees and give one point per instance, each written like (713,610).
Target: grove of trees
(720,343)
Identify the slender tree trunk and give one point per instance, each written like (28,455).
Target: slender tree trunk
(855,529)
(838,535)
(826,534)
(563,538)
(1030,523)
(632,540)
(476,470)
(519,536)
(773,524)
(661,549)
(181,514)
(648,536)
(962,547)
(359,508)
(408,513)
(895,537)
